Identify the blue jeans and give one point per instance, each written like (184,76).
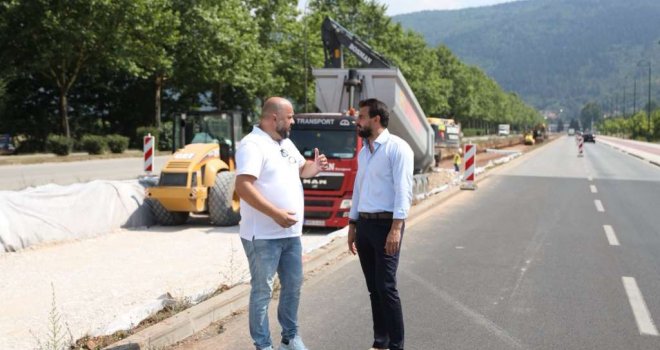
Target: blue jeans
(267,256)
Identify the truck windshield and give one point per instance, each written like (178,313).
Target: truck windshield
(333,143)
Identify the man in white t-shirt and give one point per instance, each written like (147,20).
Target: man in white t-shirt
(268,172)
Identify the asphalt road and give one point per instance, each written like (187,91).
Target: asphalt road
(527,261)
(17,177)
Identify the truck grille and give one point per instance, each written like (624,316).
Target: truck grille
(313,203)
(317,215)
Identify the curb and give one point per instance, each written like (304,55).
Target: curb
(195,319)
(613,145)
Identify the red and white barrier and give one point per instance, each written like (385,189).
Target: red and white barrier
(470,152)
(580,146)
(149,142)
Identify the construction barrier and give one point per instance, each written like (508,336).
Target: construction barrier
(149,142)
(470,151)
(580,146)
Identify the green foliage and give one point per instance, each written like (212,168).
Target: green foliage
(117,143)
(635,127)
(165,142)
(93,144)
(58,144)
(30,146)
(58,41)
(469,132)
(591,113)
(143,131)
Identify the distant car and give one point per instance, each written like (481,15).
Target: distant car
(6,147)
(589,137)
(571,132)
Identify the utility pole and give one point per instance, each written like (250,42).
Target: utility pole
(635,96)
(648,107)
(624,99)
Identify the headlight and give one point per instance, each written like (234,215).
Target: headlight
(345,204)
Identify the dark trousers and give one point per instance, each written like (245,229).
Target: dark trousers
(380,274)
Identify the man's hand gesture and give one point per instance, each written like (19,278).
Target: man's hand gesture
(320,161)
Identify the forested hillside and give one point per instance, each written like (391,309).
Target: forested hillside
(557,54)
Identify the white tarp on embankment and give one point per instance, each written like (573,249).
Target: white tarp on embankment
(53,213)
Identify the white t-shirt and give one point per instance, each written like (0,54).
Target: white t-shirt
(276,165)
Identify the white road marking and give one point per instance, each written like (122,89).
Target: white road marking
(641,312)
(590,178)
(472,315)
(593,189)
(599,206)
(611,236)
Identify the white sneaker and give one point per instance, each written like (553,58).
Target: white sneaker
(294,344)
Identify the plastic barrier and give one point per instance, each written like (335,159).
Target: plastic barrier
(468,178)
(149,142)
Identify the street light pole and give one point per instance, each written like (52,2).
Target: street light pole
(624,97)
(648,106)
(635,96)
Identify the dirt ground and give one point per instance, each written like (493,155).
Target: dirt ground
(445,173)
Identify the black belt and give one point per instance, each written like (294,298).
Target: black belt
(383,215)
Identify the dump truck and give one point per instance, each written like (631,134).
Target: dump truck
(199,177)
(328,196)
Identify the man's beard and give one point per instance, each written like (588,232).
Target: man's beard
(283,132)
(365,132)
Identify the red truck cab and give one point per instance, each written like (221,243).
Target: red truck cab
(328,196)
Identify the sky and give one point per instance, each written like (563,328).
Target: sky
(397,7)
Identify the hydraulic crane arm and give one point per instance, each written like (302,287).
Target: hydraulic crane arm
(335,37)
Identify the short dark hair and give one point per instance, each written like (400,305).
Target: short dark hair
(377,107)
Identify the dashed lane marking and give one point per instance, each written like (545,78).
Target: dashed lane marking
(641,312)
(599,206)
(593,189)
(611,236)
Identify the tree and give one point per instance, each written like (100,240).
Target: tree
(153,35)
(590,114)
(218,51)
(59,40)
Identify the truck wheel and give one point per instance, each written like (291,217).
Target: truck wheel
(165,217)
(223,200)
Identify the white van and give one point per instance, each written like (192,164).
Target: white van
(504,130)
